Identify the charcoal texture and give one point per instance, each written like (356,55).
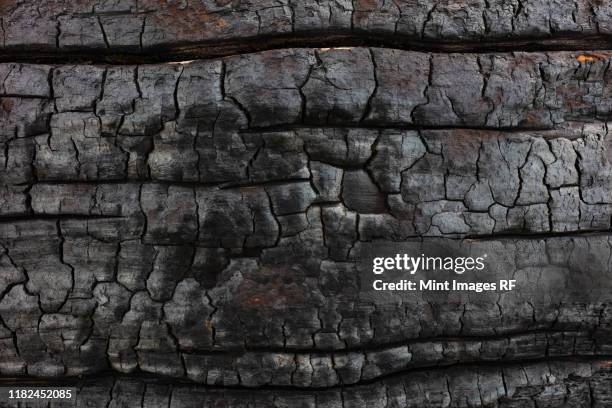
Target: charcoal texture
(193,232)
(99,27)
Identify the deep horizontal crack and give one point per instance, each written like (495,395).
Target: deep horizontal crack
(178,382)
(315,39)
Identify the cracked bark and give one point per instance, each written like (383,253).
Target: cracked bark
(193,232)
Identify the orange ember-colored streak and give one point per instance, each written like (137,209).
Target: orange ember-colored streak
(584,58)
(592,57)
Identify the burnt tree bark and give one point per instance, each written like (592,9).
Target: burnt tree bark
(178,232)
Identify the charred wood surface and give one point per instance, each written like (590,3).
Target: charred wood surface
(188,192)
